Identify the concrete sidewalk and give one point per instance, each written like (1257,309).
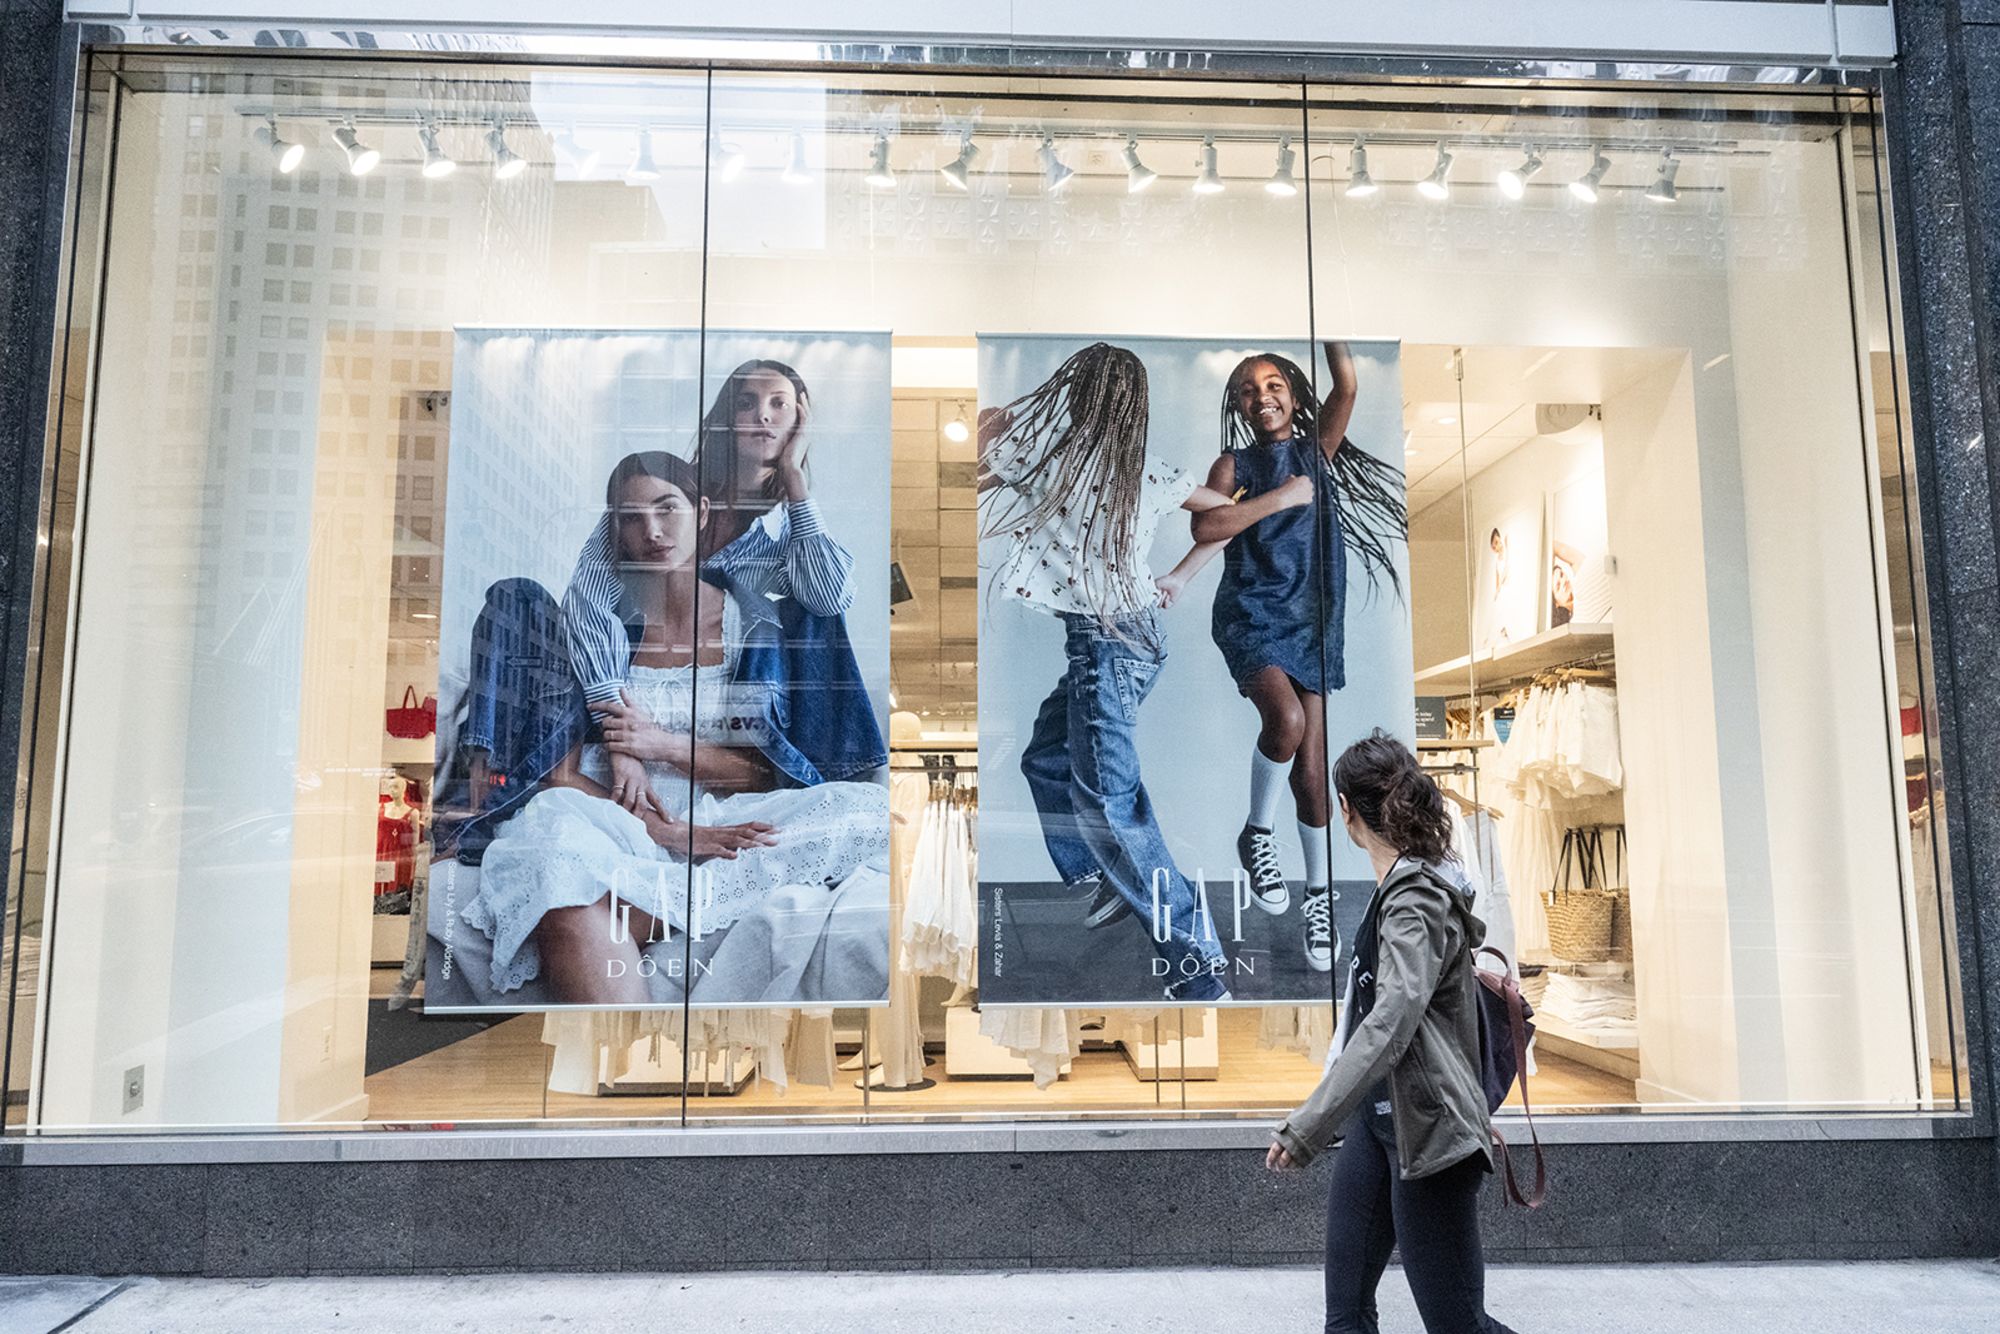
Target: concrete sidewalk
(1919,1297)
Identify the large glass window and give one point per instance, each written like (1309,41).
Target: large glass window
(585,596)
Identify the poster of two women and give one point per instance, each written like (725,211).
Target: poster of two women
(663,660)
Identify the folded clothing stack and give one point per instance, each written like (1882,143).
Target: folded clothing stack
(1603,1004)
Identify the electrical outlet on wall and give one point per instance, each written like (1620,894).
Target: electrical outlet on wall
(134,1088)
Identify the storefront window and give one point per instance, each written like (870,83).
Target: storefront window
(684,596)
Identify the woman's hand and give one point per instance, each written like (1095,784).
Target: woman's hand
(1278,1160)
(724,841)
(792,459)
(632,786)
(1171,587)
(630,732)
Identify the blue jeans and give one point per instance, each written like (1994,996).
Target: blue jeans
(1083,771)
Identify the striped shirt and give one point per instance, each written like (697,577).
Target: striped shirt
(785,553)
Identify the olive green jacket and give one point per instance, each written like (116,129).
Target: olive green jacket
(1422,1033)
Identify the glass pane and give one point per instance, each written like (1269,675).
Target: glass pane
(984,232)
(298,340)
(1674,548)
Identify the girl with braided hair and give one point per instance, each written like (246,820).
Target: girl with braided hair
(1069,487)
(1279,623)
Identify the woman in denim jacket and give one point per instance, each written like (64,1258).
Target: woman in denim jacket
(575,885)
(765,542)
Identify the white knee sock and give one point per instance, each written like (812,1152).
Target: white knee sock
(1313,842)
(1267,785)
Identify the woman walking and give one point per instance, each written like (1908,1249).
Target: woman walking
(1404,1098)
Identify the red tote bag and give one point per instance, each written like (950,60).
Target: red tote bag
(413,721)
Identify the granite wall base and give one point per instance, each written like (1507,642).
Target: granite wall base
(1608,1203)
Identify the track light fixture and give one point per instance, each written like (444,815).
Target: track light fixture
(958,430)
(955,170)
(1513,182)
(1662,190)
(1137,174)
(582,160)
(879,174)
(1585,186)
(437,162)
(643,167)
(507,164)
(361,159)
(1359,183)
(285,154)
(1209,182)
(796,172)
(725,160)
(1282,182)
(1433,186)
(1054,174)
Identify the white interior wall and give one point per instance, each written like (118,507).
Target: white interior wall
(920,262)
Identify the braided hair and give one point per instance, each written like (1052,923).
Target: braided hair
(1082,437)
(1368,492)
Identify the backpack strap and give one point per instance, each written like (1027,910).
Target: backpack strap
(1504,986)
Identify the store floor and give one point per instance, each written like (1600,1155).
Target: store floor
(500,1073)
(1922,1297)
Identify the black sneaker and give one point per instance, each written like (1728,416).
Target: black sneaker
(1322,940)
(1258,853)
(1107,905)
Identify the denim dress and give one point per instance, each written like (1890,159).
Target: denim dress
(1269,608)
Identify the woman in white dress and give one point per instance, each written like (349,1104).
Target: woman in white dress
(575,886)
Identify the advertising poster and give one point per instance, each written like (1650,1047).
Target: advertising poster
(663,672)
(1507,583)
(1155,795)
(1581,572)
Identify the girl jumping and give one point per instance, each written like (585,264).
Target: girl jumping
(1278,622)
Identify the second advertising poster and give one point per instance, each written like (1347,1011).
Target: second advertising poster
(1194,590)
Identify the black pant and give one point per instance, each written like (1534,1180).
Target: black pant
(1371,1210)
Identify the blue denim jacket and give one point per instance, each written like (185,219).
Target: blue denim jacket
(523,708)
(822,722)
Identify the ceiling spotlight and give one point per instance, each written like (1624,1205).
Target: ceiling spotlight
(1359,183)
(284,153)
(582,160)
(795,172)
(1137,174)
(507,164)
(958,430)
(1054,174)
(643,167)
(955,170)
(1210,180)
(726,161)
(1662,190)
(361,159)
(1585,187)
(879,174)
(1282,182)
(437,162)
(1433,186)
(1513,182)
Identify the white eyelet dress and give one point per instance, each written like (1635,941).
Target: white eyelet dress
(568,849)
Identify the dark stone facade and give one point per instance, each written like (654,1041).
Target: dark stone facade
(1824,1199)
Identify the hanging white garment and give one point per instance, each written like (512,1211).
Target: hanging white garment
(895,1033)
(940,936)
(1046,1039)
(1473,840)
(1305,1029)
